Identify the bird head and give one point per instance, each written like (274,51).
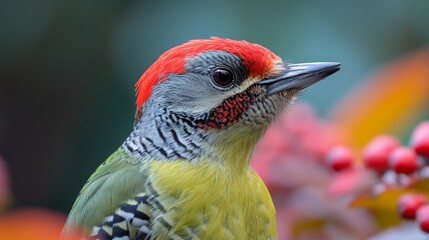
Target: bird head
(227,92)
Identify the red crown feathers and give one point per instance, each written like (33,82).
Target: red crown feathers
(258,60)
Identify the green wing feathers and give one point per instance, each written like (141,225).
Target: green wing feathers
(118,179)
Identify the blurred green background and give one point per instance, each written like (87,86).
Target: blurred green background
(68,68)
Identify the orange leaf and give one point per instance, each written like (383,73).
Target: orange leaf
(421,185)
(391,101)
(314,224)
(383,206)
(34,224)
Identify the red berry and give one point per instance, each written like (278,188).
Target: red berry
(423,218)
(340,158)
(403,160)
(376,152)
(420,139)
(409,203)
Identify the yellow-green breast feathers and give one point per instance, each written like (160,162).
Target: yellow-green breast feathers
(212,201)
(203,199)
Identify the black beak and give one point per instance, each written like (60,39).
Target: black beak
(300,76)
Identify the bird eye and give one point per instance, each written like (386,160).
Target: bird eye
(223,77)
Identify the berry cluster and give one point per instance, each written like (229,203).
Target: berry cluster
(396,166)
(313,200)
(413,206)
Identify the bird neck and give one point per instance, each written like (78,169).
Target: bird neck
(233,148)
(164,135)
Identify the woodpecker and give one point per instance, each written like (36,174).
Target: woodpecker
(183,172)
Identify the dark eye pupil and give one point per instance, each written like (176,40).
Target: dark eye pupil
(222,77)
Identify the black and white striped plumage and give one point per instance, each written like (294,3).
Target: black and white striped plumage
(130,221)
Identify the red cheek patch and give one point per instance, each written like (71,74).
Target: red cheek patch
(227,113)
